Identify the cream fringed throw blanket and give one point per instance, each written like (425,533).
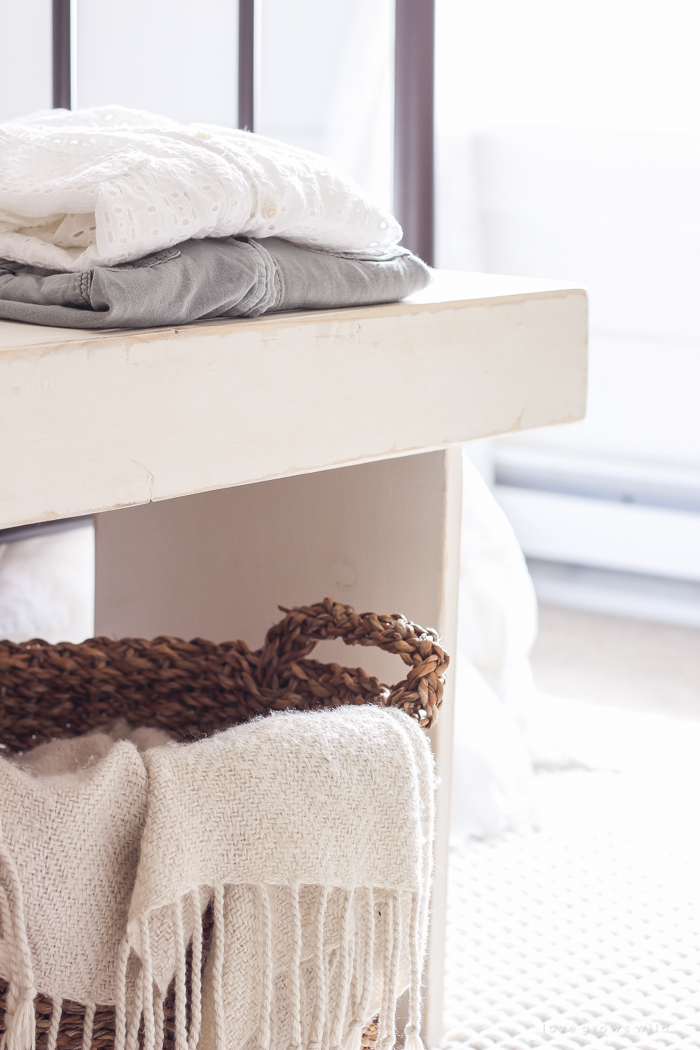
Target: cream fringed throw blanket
(309,834)
(69,847)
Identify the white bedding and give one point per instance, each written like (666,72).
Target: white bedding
(108,185)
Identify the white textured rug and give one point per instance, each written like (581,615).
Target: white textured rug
(585,933)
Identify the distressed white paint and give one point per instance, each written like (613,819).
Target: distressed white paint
(382,536)
(94,421)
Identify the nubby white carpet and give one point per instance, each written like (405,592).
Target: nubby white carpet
(586,932)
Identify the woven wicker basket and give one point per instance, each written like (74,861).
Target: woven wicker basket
(194,689)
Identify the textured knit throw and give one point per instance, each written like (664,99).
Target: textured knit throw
(308,834)
(95,187)
(69,847)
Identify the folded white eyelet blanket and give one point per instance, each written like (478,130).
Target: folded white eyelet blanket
(100,186)
(308,833)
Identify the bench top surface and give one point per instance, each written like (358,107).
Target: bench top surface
(92,421)
(450,288)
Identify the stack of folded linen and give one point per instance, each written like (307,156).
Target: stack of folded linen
(111,217)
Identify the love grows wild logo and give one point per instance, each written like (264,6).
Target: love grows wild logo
(604,1028)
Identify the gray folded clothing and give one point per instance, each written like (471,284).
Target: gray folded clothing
(213,277)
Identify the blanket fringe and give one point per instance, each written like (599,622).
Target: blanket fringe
(159,1011)
(340,982)
(266,998)
(346,959)
(149,1019)
(132,1035)
(88,1023)
(52,1034)
(21,1029)
(120,1007)
(353,1040)
(413,1040)
(319,1019)
(296,970)
(218,969)
(392,950)
(364,977)
(20,1018)
(180,978)
(195,899)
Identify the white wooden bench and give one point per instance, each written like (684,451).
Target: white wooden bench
(209,456)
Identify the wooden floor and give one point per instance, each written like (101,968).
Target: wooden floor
(617,661)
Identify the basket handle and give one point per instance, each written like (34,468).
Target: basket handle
(295,636)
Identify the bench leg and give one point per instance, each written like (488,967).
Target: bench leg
(381,536)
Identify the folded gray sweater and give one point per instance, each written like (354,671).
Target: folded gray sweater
(222,277)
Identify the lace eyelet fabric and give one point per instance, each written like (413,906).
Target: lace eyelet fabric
(108,185)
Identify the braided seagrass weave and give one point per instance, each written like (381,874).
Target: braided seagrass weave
(193,689)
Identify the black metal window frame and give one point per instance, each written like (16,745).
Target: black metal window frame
(414,105)
(62,58)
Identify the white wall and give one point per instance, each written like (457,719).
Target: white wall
(327,83)
(620,212)
(627,65)
(569,146)
(25,57)
(167,56)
